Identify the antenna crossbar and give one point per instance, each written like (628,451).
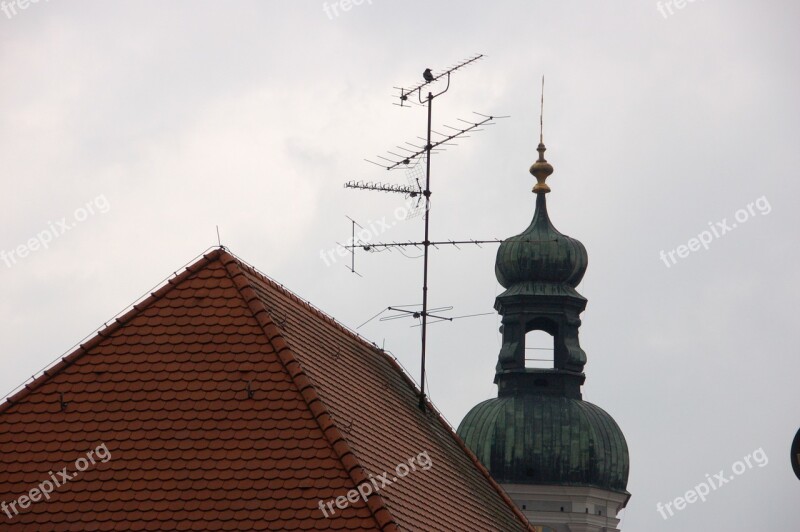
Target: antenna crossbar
(459,132)
(404,92)
(456,243)
(383,187)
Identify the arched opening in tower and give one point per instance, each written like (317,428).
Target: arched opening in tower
(539,350)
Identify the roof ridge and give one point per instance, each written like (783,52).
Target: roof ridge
(340,445)
(101,334)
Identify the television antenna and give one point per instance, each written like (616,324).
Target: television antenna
(409,156)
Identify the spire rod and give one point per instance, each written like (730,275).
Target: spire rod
(541,115)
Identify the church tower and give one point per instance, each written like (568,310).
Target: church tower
(562,460)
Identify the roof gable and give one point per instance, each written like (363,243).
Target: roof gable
(226,401)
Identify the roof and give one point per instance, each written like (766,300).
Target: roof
(223,401)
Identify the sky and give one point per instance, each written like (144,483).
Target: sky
(131,131)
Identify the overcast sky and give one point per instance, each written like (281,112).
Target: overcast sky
(129,130)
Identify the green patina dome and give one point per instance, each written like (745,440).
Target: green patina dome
(544,439)
(541,254)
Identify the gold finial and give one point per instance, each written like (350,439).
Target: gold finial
(541,169)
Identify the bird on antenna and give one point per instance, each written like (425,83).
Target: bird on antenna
(427,75)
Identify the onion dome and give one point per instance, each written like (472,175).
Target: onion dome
(541,254)
(547,439)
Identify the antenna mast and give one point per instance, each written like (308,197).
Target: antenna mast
(409,156)
(413,156)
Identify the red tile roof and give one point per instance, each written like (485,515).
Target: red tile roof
(228,403)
